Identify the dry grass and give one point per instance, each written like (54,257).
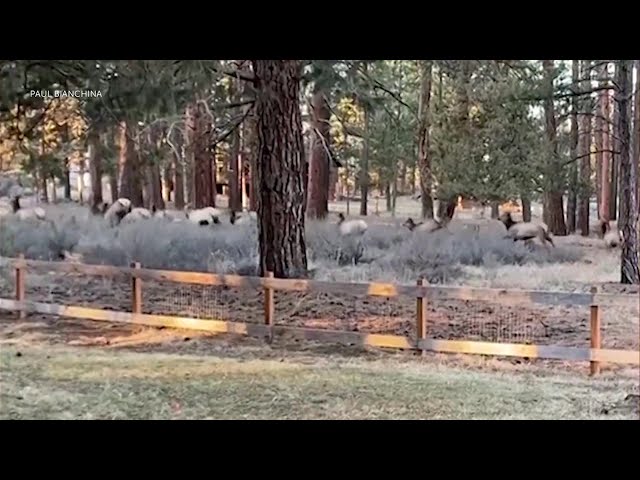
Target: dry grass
(62,382)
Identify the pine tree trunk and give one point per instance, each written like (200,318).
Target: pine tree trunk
(574,141)
(54,190)
(585,177)
(401,184)
(364,166)
(67,180)
(178,171)
(113,186)
(249,191)
(615,162)
(636,134)
(605,194)
(495,210)
(333,182)
(599,139)
(387,195)
(95,171)
(199,154)
(80,183)
(526,208)
(623,122)
(584,151)
(446,209)
(553,206)
(234,173)
(319,164)
(424,160)
(629,271)
(412,179)
(156,187)
(147,194)
(130,185)
(279,169)
(168,184)
(394,194)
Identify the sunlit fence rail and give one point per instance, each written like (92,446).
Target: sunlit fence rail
(534,324)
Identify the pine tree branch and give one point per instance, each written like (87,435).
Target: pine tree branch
(240,75)
(352,131)
(571,160)
(240,103)
(380,86)
(232,129)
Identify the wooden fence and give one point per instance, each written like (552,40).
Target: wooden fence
(422,293)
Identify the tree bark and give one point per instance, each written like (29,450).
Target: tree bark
(629,271)
(234,165)
(95,171)
(54,190)
(599,135)
(333,182)
(156,187)
(146,181)
(364,166)
(249,149)
(320,161)
(526,208)
(553,205)
(636,134)
(67,180)
(585,161)
(615,163)
(113,186)
(387,195)
(168,183)
(130,185)
(424,161)
(178,170)
(234,173)
(279,169)
(412,179)
(573,149)
(446,209)
(199,154)
(605,195)
(623,121)
(495,210)
(401,186)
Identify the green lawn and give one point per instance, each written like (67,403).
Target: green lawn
(60,382)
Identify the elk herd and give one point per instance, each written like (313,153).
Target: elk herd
(121,211)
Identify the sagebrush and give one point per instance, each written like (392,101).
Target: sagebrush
(385,253)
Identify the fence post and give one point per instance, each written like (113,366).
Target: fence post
(136,290)
(269,307)
(20,289)
(421,318)
(595,334)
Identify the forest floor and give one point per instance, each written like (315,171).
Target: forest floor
(144,373)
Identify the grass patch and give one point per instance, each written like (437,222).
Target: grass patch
(53,382)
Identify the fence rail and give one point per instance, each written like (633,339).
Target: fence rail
(422,293)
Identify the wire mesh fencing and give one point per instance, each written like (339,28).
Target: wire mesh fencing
(620,327)
(203,302)
(77,289)
(491,321)
(345,312)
